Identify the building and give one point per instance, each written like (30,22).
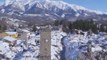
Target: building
(3,47)
(9,40)
(45,44)
(12,34)
(2,35)
(25,34)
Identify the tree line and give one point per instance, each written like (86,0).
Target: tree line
(3,26)
(84,25)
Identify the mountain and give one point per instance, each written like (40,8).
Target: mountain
(50,10)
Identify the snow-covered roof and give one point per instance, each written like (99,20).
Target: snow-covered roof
(32,35)
(24,30)
(3,47)
(8,38)
(28,53)
(96,48)
(11,33)
(10,54)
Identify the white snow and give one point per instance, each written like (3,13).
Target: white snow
(96,48)
(47,4)
(77,14)
(2,10)
(7,2)
(10,54)
(72,43)
(8,38)
(56,45)
(4,47)
(27,54)
(24,30)
(29,49)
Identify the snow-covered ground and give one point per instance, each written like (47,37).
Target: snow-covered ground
(29,49)
(56,46)
(63,47)
(22,50)
(77,44)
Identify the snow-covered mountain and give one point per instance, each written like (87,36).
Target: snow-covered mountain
(51,9)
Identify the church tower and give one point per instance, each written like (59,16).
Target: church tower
(45,44)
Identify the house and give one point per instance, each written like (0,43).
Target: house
(57,28)
(12,34)
(27,55)
(4,47)
(25,34)
(2,35)
(9,40)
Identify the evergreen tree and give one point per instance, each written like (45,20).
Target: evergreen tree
(3,26)
(34,28)
(101,28)
(57,22)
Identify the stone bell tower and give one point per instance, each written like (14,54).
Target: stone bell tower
(45,44)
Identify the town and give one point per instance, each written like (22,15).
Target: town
(20,41)
(53,30)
